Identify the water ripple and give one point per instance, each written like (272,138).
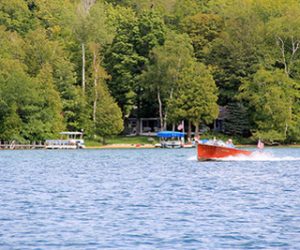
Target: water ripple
(147,199)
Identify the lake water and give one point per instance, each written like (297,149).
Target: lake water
(148,199)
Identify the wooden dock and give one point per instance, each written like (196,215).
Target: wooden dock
(14,145)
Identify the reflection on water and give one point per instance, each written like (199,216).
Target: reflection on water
(148,199)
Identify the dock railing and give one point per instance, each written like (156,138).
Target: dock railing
(17,145)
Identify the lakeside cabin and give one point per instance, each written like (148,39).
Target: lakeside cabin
(69,140)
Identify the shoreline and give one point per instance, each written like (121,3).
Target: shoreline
(141,146)
(121,146)
(148,146)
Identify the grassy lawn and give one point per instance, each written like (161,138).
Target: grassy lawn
(123,140)
(132,140)
(152,140)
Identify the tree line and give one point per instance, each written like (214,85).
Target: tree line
(88,65)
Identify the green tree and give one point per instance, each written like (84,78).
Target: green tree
(195,98)
(283,34)
(109,116)
(11,124)
(40,51)
(162,6)
(203,29)
(82,32)
(162,74)
(273,96)
(56,17)
(50,113)
(11,45)
(16,16)
(128,55)
(99,76)
(236,53)
(17,99)
(182,9)
(237,119)
(33,107)
(101,33)
(11,72)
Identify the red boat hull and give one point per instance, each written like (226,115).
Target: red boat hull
(211,152)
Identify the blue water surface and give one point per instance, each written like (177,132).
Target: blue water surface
(148,199)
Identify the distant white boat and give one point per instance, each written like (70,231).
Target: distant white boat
(74,141)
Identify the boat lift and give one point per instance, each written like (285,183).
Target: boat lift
(170,139)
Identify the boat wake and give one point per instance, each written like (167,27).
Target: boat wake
(260,156)
(192,158)
(255,156)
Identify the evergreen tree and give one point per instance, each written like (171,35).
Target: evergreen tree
(109,116)
(196,96)
(18,98)
(11,124)
(40,51)
(237,120)
(50,113)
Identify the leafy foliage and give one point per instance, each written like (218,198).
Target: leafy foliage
(109,116)
(196,95)
(129,54)
(74,64)
(272,94)
(16,16)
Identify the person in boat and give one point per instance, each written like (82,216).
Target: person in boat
(216,142)
(229,143)
(260,145)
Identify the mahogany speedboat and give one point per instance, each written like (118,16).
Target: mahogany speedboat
(207,152)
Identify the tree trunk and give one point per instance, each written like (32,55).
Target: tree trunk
(294,48)
(165,120)
(138,110)
(173,126)
(189,131)
(138,126)
(166,111)
(285,130)
(95,83)
(196,130)
(87,4)
(83,67)
(161,118)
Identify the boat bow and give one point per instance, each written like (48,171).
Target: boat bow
(206,152)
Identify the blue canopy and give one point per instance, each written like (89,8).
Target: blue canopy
(169,134)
